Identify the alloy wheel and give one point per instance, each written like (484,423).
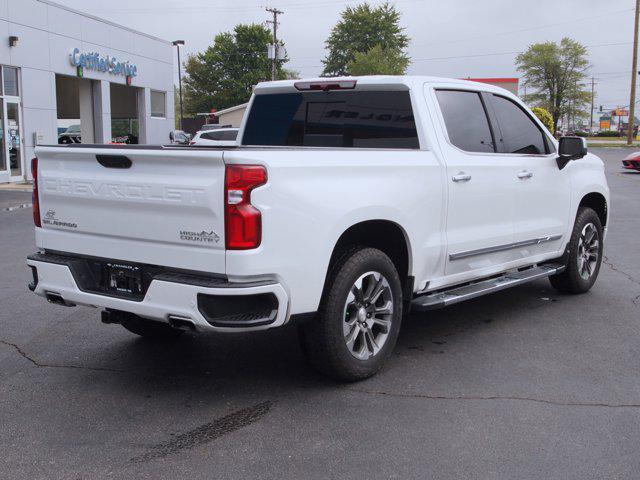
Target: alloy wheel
(368,313)
(588,251)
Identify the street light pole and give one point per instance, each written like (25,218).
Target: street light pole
(593,85)
(634,72)
(177,44)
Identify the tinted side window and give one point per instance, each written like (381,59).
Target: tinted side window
(519,132)
(332,119)
(466,120)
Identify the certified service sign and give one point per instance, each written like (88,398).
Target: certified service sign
(105,63)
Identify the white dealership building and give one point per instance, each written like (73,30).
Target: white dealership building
(71,77)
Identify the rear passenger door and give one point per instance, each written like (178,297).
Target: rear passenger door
(543,191)
(481,185)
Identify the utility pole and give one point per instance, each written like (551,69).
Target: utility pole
(634,72)
(274,22)
(592,100)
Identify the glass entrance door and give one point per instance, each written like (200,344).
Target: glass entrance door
(13,140)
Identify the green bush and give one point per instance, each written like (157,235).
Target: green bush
(545,117)
(608,133)
(580,133)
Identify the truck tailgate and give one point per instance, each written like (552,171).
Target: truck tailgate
(166,208)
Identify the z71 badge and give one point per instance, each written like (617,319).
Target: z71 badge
(201,237)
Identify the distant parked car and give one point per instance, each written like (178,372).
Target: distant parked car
(70,135)
(632,161)
(212,126)
(125,139)
(179,137)
(222,137)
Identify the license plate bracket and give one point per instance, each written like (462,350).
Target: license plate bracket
(124,279)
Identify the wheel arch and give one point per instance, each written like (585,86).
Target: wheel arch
(385,235)
(597,202)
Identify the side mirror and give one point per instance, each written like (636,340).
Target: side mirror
(171,135)
(571,148)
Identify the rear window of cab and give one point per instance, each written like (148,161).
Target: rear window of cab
(336,119)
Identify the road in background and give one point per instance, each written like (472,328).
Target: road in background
(525,384)
(11,199)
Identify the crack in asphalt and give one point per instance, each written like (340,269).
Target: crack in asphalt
(613,267)
(496,397)
(628,276)
(38,364)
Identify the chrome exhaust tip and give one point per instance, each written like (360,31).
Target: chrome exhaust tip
(182,323)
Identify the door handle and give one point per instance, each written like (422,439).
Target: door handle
(525,174)
(461,177)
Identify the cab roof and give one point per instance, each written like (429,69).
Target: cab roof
(386,82)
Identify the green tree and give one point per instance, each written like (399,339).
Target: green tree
(176,107)
(378,61)
(224,74)
(556,72)
(544,116)
(361,29)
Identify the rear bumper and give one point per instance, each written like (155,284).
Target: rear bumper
(178,297)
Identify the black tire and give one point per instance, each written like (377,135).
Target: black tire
(571,280)
(324,339)
(150,328)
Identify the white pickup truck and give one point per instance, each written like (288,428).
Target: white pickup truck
(345,203)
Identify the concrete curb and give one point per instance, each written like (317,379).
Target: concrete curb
(16,187)
(16,207)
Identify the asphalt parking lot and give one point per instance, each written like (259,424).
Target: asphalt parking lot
(522,384)
(12,200)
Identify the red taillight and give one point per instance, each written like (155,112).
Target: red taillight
(326,85)
(243,221)
(35,199)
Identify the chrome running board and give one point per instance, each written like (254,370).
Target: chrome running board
(443,298)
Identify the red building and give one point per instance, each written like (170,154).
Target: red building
(510,84)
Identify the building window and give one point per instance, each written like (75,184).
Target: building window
(158,104)
(10,81)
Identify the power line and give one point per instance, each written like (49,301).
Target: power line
(199,8)
(346,2)
(616,79)
(505,53)
(611,73)
(528,29)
